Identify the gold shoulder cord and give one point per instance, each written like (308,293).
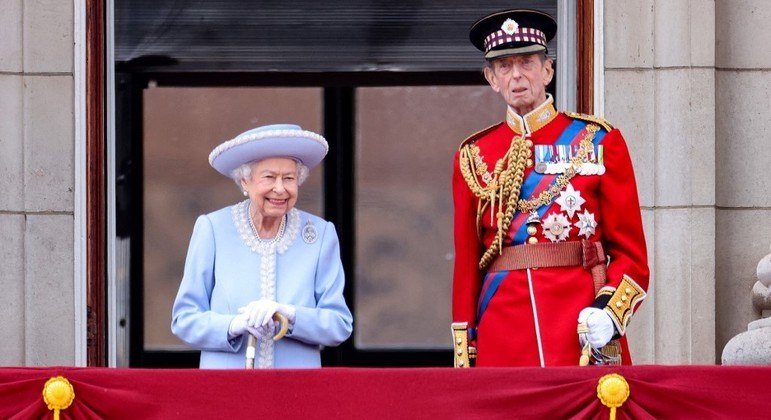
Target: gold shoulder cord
(506,183)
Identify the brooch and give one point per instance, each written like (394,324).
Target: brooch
(309,233)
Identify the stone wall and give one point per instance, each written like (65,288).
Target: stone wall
(659,89)
(36,183)
(743,150)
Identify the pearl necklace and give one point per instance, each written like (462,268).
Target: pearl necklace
(256,232)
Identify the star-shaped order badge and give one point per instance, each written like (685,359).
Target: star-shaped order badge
(570,200)
(586,224)
(556,227)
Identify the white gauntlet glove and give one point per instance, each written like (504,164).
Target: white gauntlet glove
(600,325)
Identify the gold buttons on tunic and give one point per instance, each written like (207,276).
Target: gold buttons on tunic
(532,240)
(618,304)
(628,291)
(532,230)
(623,298)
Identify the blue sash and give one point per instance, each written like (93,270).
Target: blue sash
(493,280)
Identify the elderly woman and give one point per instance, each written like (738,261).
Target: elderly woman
(249,261)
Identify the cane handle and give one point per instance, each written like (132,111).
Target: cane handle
(251,341)
(280,318)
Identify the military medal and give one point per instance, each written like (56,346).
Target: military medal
(586,224)
(556,227)
(570,200)
(542,157)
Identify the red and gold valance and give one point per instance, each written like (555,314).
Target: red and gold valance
(654,392)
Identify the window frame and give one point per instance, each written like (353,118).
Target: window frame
(100,118)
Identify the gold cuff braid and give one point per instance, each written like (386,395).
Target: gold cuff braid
(623,302)
(463,355)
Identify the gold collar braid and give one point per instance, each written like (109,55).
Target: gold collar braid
(504,186)
(506,183)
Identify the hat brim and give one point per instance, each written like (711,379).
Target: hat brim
(276,141)
(505,52)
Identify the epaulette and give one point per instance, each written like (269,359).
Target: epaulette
(478,134)
(591,118)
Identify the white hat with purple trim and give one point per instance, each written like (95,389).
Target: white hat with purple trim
(269,141)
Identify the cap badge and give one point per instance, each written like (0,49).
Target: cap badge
(510,26)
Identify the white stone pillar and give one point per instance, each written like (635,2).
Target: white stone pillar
(743,154)
(659,89)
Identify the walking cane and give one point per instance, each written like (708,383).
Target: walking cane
(251,342)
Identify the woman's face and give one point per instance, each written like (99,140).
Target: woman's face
(273,186)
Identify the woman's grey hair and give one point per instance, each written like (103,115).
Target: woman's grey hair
(244,171)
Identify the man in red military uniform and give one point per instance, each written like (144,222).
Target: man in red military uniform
(550,251)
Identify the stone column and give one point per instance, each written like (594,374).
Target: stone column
(743,155)
(36,183)
(659,89)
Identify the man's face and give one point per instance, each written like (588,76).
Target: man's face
(521,80)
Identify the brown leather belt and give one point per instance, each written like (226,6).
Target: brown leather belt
(587,254)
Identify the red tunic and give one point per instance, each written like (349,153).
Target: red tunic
(507,333)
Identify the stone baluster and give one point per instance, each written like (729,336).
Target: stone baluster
(753,347)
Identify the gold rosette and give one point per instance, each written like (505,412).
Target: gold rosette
(613,391)
(58,394)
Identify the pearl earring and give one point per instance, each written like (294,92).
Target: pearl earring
(245,193)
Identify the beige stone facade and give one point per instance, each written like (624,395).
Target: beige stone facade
(686,80)
(37,184)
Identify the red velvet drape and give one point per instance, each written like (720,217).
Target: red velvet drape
(438,393)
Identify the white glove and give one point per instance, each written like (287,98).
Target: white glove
(238,326)
(264,330)
(600,325)
(260,312)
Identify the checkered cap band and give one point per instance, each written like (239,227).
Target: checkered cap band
(520,35)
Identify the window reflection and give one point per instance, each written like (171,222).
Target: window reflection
(406,138)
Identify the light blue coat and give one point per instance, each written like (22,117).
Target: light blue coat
(226,268)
